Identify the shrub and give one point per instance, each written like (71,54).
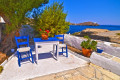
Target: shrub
(1,69)
(89,44)
(52,19)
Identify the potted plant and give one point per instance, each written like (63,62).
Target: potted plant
(88,46)
(44,34)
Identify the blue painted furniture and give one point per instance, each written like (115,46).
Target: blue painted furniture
(22,50)
(51,41)
(61,39)
(99,50)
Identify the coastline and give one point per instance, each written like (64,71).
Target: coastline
(79,28)
(100,34)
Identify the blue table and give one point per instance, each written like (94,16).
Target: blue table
(49,39)
(40,42)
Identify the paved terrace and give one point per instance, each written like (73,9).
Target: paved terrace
(89,72)
(46,65)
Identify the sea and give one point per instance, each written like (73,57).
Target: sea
(78,28)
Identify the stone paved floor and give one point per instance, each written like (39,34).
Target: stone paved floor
(90,72)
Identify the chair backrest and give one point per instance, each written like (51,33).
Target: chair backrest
(60,37)
(22,43)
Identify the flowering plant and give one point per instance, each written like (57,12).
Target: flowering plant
(46,31)
(44,34)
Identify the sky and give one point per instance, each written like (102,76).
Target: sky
(104,12)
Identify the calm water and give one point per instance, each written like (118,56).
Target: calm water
(74,28)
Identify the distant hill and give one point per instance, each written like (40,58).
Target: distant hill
(72,24)
(86,24)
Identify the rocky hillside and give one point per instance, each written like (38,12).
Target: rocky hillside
(101,34)
(88,24)
(72,24)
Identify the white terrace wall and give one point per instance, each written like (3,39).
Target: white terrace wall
(106,46)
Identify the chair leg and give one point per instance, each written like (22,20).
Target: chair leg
(31,56)
(62,51)
(20,56)
(66,51)
(19,59)
(56,50)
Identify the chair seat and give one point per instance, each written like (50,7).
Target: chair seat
(62,45)
(23,49)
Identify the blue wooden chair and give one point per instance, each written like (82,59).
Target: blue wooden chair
(62,46)
(21,50)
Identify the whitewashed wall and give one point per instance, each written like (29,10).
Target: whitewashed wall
(73,41)
(76,41)
(106,63)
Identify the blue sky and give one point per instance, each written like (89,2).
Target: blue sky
(104,12)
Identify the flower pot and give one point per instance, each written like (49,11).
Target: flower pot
(44,36)
(86,52)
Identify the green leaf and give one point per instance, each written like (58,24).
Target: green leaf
(14,12)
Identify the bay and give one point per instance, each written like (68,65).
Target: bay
(78,28)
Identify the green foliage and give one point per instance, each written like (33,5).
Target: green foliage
(89,44)
(1,69)
(14,12)
(52,19)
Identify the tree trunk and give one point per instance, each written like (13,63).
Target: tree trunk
(8,42)
(6,19)
(0,33)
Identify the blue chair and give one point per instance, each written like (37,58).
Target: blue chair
(21,50)
(62,46)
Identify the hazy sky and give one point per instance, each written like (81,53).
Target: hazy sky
(105,12)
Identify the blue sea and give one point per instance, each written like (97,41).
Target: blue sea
(77,28)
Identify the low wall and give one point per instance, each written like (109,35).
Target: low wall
(110,63)
(106,46)
(73,41)
(106,61)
